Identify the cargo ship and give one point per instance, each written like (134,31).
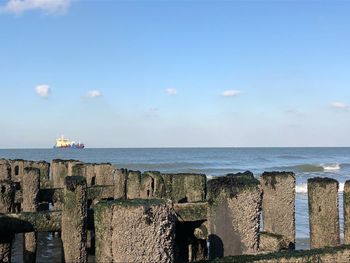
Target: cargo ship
(65,143)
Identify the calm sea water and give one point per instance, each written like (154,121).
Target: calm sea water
(305,162)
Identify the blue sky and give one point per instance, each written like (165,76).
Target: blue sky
(175,73)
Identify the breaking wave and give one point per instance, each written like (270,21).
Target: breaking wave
(309,168)
(302,188)
(331,167)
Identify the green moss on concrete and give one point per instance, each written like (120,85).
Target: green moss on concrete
(71,182)
(246,174)
(309,255)
(231,185)
(346,198)
(97,192)
(314,183)
(168,179)
(178,193)
(30,221)
(133,184)
(152,174)
(78,169)
(188,187)
(131,202)
(271,178)
(102,228)
(321,182)
(152,185)
(191,211)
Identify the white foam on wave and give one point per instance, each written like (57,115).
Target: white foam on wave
(302,188)
(331,167)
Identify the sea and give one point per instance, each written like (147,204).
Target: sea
(304,162)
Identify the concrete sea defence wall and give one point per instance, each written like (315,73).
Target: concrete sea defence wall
(124,215)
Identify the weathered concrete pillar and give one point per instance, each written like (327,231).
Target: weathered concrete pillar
(5,170)
(90,174)
(323,212)
(134,231)
(104,174)
(168,180)
(183,188)
(86,170)
(74,219)
(60,169)
(17,167)
(278,204)
(7,196)
(30,191)
(152,185)
(188,188)
(70,164)
(133,185)
(120,178)
(233,215)
(44,168)
(346,206)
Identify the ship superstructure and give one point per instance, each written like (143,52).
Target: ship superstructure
(65,143)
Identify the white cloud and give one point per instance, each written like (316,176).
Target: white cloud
(47,6)
(230,93)
(94,94)
(43,90)
(171,91)
(340,106)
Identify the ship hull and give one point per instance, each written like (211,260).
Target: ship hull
(70,147)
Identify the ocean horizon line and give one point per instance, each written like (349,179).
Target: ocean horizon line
(184,147)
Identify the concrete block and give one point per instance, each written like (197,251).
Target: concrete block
(346,206)
(104,174)
(74,220)
(323,212)
(278,204)
(188,188)
(152,185)
(133,184)
(30,192)
(5,170)
(7,198)
(120,178)
(233,215)
(134,231)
